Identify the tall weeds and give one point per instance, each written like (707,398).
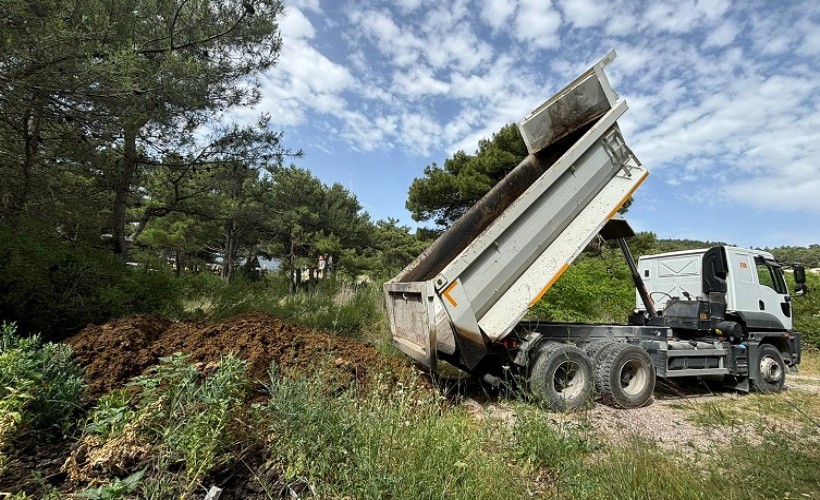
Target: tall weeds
(398,442)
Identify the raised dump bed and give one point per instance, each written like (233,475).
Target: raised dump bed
(479,278)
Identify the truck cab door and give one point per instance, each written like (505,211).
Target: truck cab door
(774,294)
(758,291)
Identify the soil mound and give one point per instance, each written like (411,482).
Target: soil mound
(114,352)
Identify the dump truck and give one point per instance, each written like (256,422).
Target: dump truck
(718,312)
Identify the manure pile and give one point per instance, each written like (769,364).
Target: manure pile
(114,352)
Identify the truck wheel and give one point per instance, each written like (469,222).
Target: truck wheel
(593,350)
(772,369)
(625,376)
(562,377)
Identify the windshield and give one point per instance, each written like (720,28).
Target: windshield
(771,275)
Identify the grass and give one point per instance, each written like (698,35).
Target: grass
(810,362)
(755,409)
(396,441)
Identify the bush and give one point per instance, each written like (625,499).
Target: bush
(40,384)
(592,290)
(145,291)
(57,287)
(807,310)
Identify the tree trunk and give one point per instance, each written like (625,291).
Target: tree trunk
(30,128)
(178,262)
(231,248)
(121,244)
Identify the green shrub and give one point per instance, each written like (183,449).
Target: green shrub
(56,287)
(112,413)
(51,286)
(807,310)
(118,488)
(146,291)
(592,290)
(40,384)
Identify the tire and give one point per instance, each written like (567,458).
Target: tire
(772,369)
(595,351)
(562,377)
(625,376)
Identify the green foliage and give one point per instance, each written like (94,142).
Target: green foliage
(40,384)
(57,287)
(186,420)
(52,286)
(807,256)
(118,488)
(108,90)
(445,193)
(145,291)
(190,417)
(313,218)
(595,289)
(111,415)
(396,440)
(397,247)
(807,309)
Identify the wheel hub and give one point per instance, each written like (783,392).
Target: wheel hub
(634,377)
(770,370)
(568,380)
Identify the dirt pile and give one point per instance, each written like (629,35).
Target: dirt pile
(114,352)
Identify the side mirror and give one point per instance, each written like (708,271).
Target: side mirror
(800,287)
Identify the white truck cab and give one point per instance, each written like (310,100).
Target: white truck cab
(755,290)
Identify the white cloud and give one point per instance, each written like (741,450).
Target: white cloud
(309,5)
(401,46)
(408,5)
(723,35)
(418,82)
(712,10)
(459,48)
(537,23)
(587,13)
(295,25)
(420,131)
(496,13)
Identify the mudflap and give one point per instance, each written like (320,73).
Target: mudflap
(736,383)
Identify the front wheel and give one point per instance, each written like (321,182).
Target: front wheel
(772,369)
(562,377)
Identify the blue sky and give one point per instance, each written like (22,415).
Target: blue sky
(724,99)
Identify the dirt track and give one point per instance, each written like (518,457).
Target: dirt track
(114,352)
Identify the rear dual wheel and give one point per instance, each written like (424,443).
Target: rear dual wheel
(562,376)
(624,375)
